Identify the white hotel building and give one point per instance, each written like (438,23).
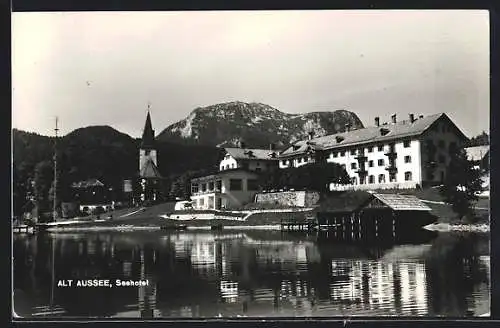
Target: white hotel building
(396,155)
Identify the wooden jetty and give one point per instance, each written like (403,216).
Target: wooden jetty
(23,229)
(291,225)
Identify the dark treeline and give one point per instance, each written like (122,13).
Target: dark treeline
(95,152)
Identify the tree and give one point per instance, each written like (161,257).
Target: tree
(479,140)
(462,184)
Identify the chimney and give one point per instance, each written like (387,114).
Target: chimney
(412,118)
(377,121)
(421,116)
(310,135)
(393,118)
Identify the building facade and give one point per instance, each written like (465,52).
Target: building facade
(396,155)
(225,190)
(257,160)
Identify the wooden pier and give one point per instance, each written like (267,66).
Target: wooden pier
(298,226)
(23,229)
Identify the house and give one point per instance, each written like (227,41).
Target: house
(397,155)
(251,159)
(149,175)
(362,213)
(226,189)
(92,194)
(480,155)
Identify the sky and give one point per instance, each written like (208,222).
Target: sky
(103,68)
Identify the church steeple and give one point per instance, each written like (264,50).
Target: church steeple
(148,135)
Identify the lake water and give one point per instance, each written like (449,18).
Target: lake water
(250,274)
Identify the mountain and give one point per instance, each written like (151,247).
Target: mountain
(257,124)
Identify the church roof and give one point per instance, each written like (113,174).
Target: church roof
(148,134)
(149,170)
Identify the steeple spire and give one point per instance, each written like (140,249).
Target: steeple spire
(148,135)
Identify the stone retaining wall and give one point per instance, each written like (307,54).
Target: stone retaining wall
(289,198)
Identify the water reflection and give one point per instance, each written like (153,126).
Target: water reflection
(250,274)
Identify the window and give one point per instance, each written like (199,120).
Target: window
(441,159)
(252,184)
(227,167)
(146,152)
(194,188)
(203,187)
(370,163)
(211,186)
(371,179)
(284,162)
(258,163)
(342,153)
(258,169)
(441,144)
(392,177)
(335,154)
(222,167)
(381,162)
(235,184)
(407,159)
(381,178)
(408,176)
(202,201)
(380,147)
(211,202)
(370,149)
(218,185)
(305,159)
(353,166)
(353,152)
(406,143)
(354,180)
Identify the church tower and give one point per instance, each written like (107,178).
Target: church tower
(149,174)
(147,149)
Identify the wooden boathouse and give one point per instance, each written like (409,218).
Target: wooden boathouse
(361,214)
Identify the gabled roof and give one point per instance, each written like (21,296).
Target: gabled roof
(372,134)
(251,153)
(345,202)
(402,202)
(148,134)
(477,153)
(149,170)
(88,183)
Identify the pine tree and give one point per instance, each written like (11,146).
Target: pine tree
(462,184)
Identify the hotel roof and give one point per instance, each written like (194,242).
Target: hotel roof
(252,153)
(372,134)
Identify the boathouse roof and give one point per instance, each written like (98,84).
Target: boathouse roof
(352,201)
(402,202)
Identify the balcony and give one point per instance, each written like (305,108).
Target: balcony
(391,169)
(362,171)
(431,165)
(361,157)
(391,153)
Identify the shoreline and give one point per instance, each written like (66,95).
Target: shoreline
(449,227)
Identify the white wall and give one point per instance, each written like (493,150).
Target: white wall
(230,162)
(230,198)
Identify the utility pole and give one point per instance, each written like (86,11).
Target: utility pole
(55,171)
